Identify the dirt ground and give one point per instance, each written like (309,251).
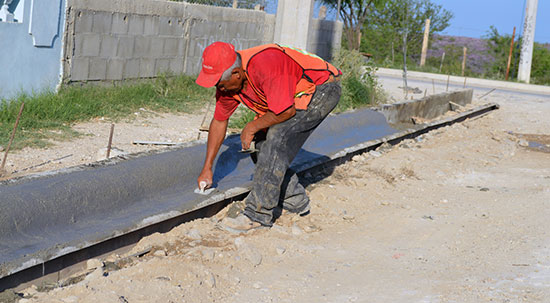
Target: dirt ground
(457,215)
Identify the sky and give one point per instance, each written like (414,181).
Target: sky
(472,18)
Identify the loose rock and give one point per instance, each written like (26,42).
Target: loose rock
(71,299)
(210,280)
(523,143)
(375,154)
(296,230)
(93,264)
(194,234)
(160,253)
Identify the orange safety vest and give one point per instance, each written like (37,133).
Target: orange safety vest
(305,88)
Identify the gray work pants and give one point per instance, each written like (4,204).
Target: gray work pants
(273,180)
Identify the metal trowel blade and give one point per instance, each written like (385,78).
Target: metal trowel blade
(204,191)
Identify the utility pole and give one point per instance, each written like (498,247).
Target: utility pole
(425,43)
(338,10)
(465,51)
(526,57)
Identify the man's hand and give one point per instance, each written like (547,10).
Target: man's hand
(205,176)
(265,121)
(247,135)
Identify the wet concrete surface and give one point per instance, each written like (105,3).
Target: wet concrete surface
(52,215)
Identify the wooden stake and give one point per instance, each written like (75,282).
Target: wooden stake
(425,43)
(235,3)
(465,78)
(510,55)
(442,59)
(11,138)
(448,78)
(433,86)
(425,92)
(465,49)
(110,140)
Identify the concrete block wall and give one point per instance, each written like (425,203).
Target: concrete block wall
(208,24)
(116,40)
(131,39)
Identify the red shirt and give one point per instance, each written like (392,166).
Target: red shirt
(276,75)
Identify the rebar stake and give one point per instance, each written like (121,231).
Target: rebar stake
(11,138)
(110,140)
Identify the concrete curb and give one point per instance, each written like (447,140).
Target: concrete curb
(49,217)
(513,86)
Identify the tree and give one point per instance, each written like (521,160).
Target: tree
(354,13)
(384,28)
(499,46)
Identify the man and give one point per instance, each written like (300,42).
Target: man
(291,92)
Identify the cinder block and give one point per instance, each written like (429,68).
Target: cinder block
(136,25)
(230,29)
(181,47)
(141,47)
(131,69)
(115,69)
(211,28)
(166,27)
(78,45)
(250,31)
(170,26)
(83,22)
(98,69)
(109,46)
(176,66)
(125,48)
(156,48)
(120,24)
(178,27)
(79,69)
(151,26)
(241,28)
(90,45)
(170,47)
(162,66)
(147,68)
(102,22)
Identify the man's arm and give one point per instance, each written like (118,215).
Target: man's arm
(216,134)
(265,121)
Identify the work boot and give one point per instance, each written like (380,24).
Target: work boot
(303,212)
(239,224)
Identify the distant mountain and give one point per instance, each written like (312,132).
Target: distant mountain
(478,56)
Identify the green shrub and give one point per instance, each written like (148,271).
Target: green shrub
(359,85)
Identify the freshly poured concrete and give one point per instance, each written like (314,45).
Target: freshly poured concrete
(49,216)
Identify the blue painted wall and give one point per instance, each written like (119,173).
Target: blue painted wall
(31,51)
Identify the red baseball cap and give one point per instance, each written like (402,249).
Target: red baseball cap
(216,59)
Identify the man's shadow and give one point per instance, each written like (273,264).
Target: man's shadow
(229,159)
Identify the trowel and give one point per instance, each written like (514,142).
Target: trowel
(250,150)
(202,190)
